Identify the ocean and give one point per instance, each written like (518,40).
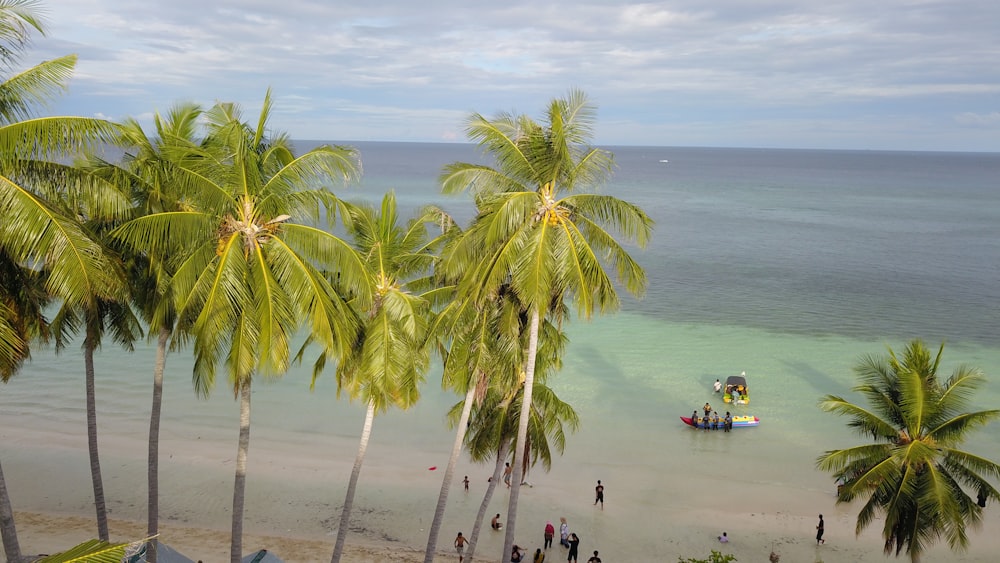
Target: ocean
(786,264)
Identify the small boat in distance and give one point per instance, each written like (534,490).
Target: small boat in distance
(737,391)
(664,160)
(739,421)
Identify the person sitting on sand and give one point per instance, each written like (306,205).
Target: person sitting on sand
(495,522)
(516,555)
(595,558)
(539,556)
(723,538)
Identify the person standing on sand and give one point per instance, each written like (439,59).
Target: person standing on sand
(599,489)
(820,528)
(466,483)
(506,474)
(550,532)
(563,532)
(539,556)
(574,546)
(460,542)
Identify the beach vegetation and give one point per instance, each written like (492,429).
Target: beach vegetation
(539,232)
(914,474)
(248,278)
(714,557)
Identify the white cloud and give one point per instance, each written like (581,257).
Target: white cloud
(727,62)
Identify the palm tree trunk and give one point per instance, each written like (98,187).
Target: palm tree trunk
(95,462)
(239,487)
(477,526)
(522,434)
(7,530)
(153,502)
(352,485)
(456,450)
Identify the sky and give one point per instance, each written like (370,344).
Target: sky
(830,74)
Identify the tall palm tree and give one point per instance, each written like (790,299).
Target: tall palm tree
(914,475)
(35,237)
(482,345)
(153,177)
(538,233)
(387,363)
(251,272)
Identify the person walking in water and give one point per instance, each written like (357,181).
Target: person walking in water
(820,528)
(574,547)
(599,489)
(460,542)
(550,532)
(717,386)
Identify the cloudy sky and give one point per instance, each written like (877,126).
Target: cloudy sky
(855,74)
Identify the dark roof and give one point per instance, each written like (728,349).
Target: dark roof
(736,380)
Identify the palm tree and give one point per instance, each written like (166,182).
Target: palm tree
(493,428)
(153,177)
(95,320)
(914,475)
(251,272)
(390,357)
(537,233)
(482,346)
(35,237)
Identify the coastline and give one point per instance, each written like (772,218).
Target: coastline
(754,537)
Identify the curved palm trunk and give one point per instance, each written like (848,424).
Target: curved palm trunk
(95,462)
(477,526)
(8,532)
(522,434)
(239,487)
(352,485)
(153,503)
(456,450)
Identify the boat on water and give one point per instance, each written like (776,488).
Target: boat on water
(737,391)
(739,421)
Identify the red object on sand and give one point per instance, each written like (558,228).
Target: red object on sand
(432,468)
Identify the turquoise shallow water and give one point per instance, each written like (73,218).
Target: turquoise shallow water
(786,264)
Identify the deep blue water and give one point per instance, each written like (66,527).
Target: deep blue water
(864,244)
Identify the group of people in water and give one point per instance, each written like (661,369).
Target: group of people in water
(566,539)
(711,420)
